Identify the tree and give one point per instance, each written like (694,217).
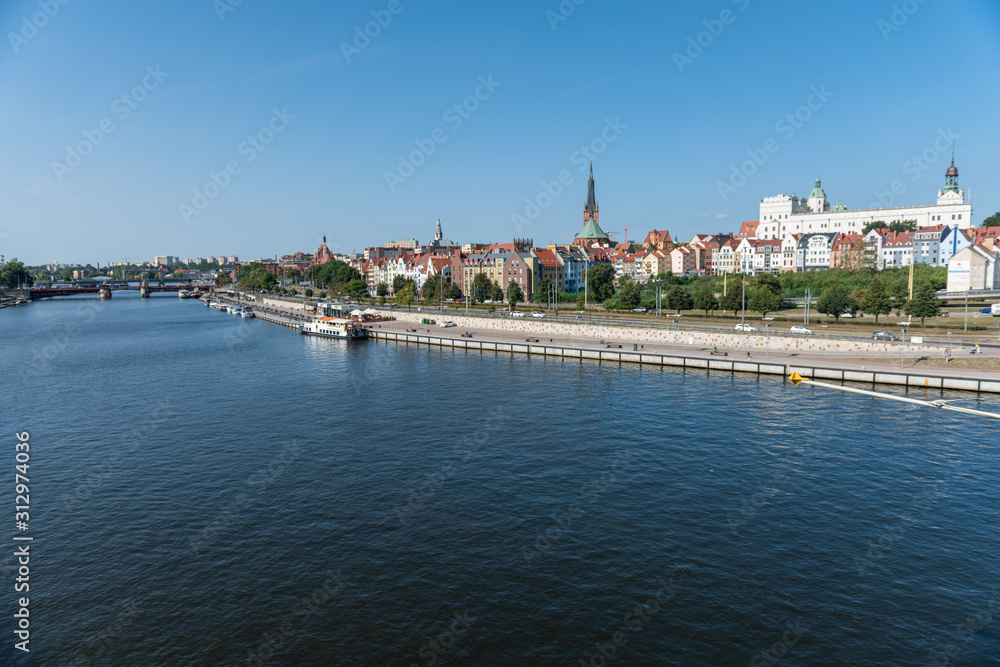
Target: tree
(542,291)
(382,289)
(876,299)
(581,301)
(733,298)
(705,300)
(482,288)
(992,221)
(13,274)
(514,294)
(630,293)
(835,301)
(679,298)
(874,224)
(452,291)
(399,282)
(357,288)
(406,295)
(308,291)
(769,281)
(601,280)
(764,301)
(924,303)
(222,279)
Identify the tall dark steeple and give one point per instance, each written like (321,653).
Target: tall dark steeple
(591,210)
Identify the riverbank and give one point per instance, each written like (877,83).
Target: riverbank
(848,361)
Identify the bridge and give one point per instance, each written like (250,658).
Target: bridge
(77,290)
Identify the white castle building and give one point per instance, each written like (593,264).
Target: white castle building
(783,215)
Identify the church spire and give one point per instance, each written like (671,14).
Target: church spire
(438,234)
(591,209)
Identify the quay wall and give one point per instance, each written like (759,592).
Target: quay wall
(708,339)
(716,364)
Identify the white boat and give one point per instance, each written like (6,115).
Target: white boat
(333,327)
(235,310)
(222,308)
(183,294)
(247,313)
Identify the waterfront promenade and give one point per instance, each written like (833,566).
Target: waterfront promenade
(893,365)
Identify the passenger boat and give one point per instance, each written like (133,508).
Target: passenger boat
(247,313)
(183,294)
(333,327)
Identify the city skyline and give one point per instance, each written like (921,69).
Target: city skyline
(297,123)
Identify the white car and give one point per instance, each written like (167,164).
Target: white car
(746,327)
(537,314)
(801,330)
(447,323)
(517,313)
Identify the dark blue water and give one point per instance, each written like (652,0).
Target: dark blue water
(211,491)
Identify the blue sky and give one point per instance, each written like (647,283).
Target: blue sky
(889,90)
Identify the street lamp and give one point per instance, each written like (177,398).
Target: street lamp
(767,354)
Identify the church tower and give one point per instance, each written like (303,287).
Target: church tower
(438,234)
(591,210)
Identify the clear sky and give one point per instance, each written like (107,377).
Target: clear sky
(200,77)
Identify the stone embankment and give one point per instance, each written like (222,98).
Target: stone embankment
(707,339)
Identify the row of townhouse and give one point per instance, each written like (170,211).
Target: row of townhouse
(877,249)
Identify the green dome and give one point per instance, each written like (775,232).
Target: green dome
(817,191)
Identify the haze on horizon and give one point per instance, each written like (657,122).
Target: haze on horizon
(293,118)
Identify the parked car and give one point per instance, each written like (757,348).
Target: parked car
(537,314)
(746,327)
(801,330)
(641,309)
(884,335)
(517,313)
(446,324)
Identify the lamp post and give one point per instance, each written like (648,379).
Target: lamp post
(767,354)
(902,347)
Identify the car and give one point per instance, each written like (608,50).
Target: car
(517,313)
(746,327)
(884,335)
(640,310)
(309,298)
(447,323)
(988,311)
(537,314)
(801,330)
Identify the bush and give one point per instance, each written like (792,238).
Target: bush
(309,291)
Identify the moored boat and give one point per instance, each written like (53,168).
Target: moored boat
(333,327)
(183,294)
(247,313)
